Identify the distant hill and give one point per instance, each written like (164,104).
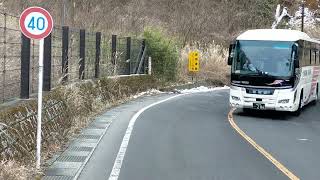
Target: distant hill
(190,20)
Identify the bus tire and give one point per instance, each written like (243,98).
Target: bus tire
(298,111)
(246,110)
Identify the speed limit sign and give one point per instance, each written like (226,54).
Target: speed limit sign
(36,23)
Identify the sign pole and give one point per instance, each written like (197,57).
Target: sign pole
(192,77)
(37,23)
(39,121)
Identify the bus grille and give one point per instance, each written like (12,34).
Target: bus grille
(260,91)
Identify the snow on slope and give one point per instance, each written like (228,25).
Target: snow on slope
(309,18)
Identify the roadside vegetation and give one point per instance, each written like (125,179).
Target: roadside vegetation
(164,51)
(213,66)
(81,103)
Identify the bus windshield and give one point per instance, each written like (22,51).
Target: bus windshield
(269,58)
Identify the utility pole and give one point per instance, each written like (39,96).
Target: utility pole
(302,18)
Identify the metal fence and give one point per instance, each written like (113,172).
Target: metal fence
(69,55)
(10,43)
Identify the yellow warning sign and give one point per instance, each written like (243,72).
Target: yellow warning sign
(194,65)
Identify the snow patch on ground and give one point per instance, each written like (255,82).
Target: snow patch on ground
(184,91)
(202,89)
(149,92)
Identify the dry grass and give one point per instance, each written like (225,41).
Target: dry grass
(213,63)
(83,100)
(12,170)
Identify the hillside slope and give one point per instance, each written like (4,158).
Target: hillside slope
(190,20)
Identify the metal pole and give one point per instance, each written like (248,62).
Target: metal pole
(47,63)
(25,67)
(82,54)
(149,66)
(128,55)
(302,18)
(38,153)
(98,54)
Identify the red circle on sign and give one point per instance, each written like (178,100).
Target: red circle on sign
(24,30)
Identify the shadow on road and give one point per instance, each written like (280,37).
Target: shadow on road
(272,115)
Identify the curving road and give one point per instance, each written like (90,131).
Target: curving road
(190,138)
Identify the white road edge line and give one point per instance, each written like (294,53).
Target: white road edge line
(114,175)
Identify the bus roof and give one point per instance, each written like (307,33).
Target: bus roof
(275,35)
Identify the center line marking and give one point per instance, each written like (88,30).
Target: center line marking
(114,175)
(276,163)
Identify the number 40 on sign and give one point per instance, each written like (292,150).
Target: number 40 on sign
(36,23)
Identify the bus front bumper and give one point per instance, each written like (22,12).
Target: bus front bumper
(281,100)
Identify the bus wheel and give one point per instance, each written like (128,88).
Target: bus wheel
(298,111)
(246,110)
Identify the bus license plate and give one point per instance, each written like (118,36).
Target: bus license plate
(259,106)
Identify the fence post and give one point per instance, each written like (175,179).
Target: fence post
(47,64)
(98,52)
(25,67)
(128,56)
(145,60)
(82,53)
(65,59)
(149,65)
(113,49)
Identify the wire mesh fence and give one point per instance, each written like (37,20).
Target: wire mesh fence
(56,56)
(34,66)
(10,43)
(90,54)
(136,46)
(121,56)
(106,67)
(72,55)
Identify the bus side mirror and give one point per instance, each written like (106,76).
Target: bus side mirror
(295,56)
(231,53)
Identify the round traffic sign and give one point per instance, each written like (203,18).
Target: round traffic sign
(36,23)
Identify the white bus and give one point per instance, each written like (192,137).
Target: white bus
(274,69)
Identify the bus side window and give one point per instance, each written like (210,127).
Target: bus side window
(315,57)
(310,54)
(305,54)
(301,53)
(319,58)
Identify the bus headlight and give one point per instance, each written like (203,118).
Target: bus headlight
(235,98)
(284,101)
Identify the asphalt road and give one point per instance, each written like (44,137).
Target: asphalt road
(190,138)
(294,141)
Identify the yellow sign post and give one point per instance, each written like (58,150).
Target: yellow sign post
(194,65)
